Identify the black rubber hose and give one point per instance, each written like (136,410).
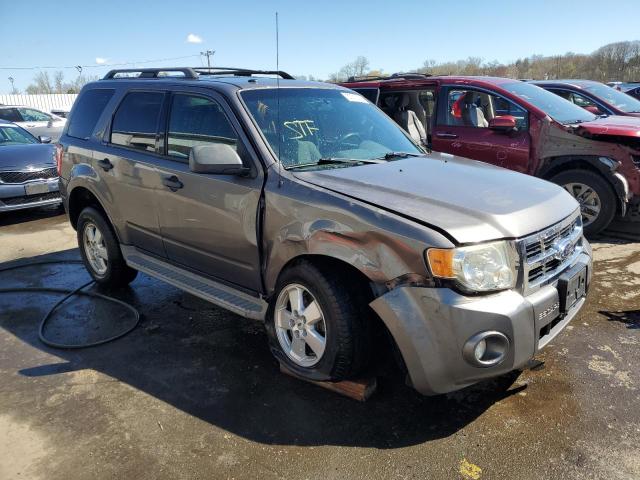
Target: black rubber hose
(69,294)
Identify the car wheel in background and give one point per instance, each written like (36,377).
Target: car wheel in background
(594,194)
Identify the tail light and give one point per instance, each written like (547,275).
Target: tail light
(59,158)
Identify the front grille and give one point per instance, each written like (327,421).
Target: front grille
(549,252)
(30,199)
(21,177)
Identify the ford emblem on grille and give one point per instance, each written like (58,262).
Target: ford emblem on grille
(563,249)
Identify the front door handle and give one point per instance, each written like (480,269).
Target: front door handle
(173,183)
(446,135)
(105,164)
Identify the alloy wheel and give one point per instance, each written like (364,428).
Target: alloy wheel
(95,248)
(589,200)
(300,325)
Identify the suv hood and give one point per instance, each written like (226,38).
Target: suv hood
(617,125)
(470,200)
(24,157)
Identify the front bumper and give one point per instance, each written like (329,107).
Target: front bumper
(15,197)
(432,325)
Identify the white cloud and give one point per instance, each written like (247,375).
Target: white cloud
(193,38)
(101,61)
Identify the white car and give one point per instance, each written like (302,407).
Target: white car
(35,121)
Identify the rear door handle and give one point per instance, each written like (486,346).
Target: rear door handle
(173,183)
(105,164)
(446,135)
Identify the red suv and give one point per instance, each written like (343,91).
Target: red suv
(522,127)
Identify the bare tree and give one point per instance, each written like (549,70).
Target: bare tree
(42,83)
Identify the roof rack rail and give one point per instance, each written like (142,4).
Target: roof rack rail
(240,72)
(410,75)
(188,72)
(394,76)
(365,78)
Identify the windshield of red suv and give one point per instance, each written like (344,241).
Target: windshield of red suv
(561,110)
(614,97)
(322,126)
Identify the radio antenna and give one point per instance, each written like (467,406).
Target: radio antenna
(278,132)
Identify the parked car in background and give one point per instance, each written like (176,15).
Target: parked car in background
(520,126)
(632,89)
(301,204)
(595,97)
(60,112)
(35,121)
(28,176)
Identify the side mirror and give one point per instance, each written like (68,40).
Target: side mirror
(44,139)
(593,109)
(503,123)
(217,158)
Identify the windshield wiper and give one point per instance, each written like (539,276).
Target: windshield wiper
(333,161)
(328,160)
(392,155)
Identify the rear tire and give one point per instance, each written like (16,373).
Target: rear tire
(318,323)
(596,197)
(100,250)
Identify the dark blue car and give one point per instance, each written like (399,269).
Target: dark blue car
(28,174)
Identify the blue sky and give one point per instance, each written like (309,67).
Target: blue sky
(315,37)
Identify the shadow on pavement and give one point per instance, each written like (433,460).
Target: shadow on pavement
(27,215)
(631,318)
(216,366)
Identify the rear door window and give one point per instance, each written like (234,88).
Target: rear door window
(87,111)
(196,120)
(135,124)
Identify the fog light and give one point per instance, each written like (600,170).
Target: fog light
(486,349)
(480,350)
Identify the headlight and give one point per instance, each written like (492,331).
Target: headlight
(480,268)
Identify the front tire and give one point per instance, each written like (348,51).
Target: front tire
(100,250)
(317,324)
(594,194)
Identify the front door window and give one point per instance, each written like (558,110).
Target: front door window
(475,108)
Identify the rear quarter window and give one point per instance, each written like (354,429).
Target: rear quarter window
(87,111)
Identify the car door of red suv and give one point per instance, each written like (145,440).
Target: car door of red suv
(462,127)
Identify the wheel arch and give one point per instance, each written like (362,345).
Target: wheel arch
(382,335)
(325,261)
(555,165)
(80,198)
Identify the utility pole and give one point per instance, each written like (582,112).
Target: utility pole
(13,89)
(208,54)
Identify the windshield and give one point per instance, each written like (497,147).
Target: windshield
(316,125)
(561,110)
(614,97)
(10,135)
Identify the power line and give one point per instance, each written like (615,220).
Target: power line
(208,53)
(98,66)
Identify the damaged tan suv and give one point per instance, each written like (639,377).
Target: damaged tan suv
(301,204)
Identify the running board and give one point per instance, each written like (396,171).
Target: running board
(222,295)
